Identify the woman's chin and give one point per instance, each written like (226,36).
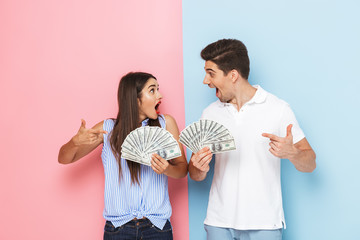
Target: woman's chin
(155,116)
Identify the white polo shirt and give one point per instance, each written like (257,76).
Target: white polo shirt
(246,188)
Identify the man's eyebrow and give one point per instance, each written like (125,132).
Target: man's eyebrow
(209,69)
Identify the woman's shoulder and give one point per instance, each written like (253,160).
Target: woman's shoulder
(107,124)
(170,121)
(168,117)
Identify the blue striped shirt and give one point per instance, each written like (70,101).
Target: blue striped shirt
(125,200)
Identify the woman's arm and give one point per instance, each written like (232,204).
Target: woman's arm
(177,167)
(85,141)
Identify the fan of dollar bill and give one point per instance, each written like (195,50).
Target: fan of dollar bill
(207,133)
(141,143)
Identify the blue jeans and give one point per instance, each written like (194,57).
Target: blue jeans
(137,229)
(216,233)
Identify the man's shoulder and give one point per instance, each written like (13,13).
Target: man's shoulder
(213,105)
(275,100)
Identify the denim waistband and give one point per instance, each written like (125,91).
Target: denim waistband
(135,222)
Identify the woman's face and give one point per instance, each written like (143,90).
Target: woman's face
(150,100)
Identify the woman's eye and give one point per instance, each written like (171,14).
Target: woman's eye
(152,90)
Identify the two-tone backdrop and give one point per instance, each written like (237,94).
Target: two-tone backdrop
(61,61)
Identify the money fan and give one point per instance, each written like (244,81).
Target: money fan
(141,143)
(207,133)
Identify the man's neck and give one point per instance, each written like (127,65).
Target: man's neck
(243,93)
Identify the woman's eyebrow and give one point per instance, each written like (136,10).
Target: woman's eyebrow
(152,85)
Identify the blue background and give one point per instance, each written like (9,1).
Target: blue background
(307,53)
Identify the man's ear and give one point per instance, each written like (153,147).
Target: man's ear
(234,75)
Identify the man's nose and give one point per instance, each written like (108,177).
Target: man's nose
(206,81)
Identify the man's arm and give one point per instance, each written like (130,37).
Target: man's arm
(199,164)
(303,157)
(300,154)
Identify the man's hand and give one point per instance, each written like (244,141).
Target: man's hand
(201,159)
(282,147)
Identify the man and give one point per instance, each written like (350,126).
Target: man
(245,199)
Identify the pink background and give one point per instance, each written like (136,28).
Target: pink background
(61,61)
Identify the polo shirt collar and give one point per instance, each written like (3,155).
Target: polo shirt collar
(259,97)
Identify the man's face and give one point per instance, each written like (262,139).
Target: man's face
(215,78)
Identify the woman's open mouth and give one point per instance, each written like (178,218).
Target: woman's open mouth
(157,107)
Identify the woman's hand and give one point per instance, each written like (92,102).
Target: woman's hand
(158,164)
(87,136)
(85,141)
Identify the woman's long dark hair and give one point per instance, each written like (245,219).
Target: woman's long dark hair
(129,93)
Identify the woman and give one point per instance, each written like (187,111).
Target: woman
(136,196)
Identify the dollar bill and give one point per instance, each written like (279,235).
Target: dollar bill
(139,159)
(218,130)
(188,145)
(141,143)
(185,135)
(127,147)
(184,141)
(220,146)
(208,133)
(170,142)
(153,134)
(135,139)
(167,153)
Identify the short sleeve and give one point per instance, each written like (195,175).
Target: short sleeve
(203,115)
(106,149)
(108,125)
(288,117)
